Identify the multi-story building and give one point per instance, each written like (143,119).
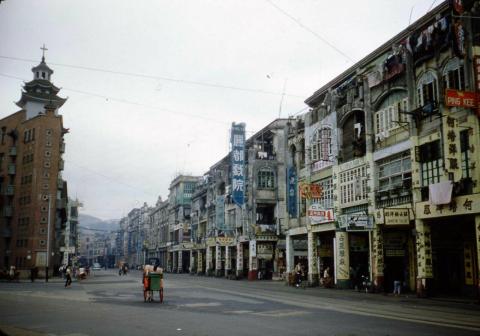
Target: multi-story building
(71,232)
(179,209)
(403,135)
(33,194)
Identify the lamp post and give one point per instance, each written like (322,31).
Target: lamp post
(48,238)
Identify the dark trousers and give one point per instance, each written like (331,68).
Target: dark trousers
(69,280)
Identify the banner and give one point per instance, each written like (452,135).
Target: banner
(237,155)
(220,213)
(292,191)
(310,191)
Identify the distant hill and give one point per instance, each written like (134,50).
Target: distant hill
(91,222)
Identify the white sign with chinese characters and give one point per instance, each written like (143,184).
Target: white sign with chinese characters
(462,205)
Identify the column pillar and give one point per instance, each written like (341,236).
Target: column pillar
(477,236)
(239,260)
(228,260)
(378,261)
(424,258)
(312,259)
(342,260)
(191,268)
(218,260)
(252,260)
(180,262)
(175,260)
(289,254)
(200,262)
(209,261)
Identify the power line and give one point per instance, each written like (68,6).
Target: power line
(139,75)
(124,101)
(314,33)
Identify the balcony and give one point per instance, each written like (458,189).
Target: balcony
(7,211)
(61,164)
(9,190)
(12,170)
(62,147)
(60,184)
(12,151)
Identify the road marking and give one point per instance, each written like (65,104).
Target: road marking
(281,313)
(239,311)
(201,304)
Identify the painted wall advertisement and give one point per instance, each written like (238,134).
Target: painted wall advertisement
(237,141)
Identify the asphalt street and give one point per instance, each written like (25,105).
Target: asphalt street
(108,304)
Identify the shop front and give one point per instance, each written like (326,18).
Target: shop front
(449,262)
(395,225)
(353,240)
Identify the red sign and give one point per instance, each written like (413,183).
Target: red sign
(456,98)
(310,191)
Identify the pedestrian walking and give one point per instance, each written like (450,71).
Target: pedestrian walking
(68,275)
(33,274)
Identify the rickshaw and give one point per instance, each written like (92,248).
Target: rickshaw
(152,282)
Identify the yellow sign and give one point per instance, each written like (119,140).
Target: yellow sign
(461,205)
(222,241)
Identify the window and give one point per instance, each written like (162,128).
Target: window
(390,117)
(46,164)
(49,132)
(465,153)
(353,185)
(327,193)
(322,145)
(43,242)
(454,75)
(394,172)
(430,158)
(48,153)
(427,91)
(265,179)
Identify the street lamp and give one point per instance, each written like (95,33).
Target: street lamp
(48,238)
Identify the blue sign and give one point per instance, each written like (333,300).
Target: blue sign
(292,191)
(237,155)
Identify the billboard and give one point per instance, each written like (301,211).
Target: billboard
(237,141)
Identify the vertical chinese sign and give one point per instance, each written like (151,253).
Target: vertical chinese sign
(237,141)
(292,191)
(220,213)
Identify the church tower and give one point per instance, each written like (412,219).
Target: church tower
(40,91)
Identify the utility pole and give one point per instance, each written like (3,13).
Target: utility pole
(48,237)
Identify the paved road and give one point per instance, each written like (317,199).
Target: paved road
(107,304)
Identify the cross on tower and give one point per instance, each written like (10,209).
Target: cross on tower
(43,52)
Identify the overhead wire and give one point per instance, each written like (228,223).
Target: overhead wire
(311,31)
(155,77)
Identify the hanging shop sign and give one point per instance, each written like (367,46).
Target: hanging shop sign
(462,205)
(265,250)
(237,155)
(455,98)
(342,267)
(292,192)
(476,69)
(392,216)
(319,215)
(355,222)
(310,190)
(253,248)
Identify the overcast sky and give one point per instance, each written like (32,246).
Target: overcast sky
(153,86)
